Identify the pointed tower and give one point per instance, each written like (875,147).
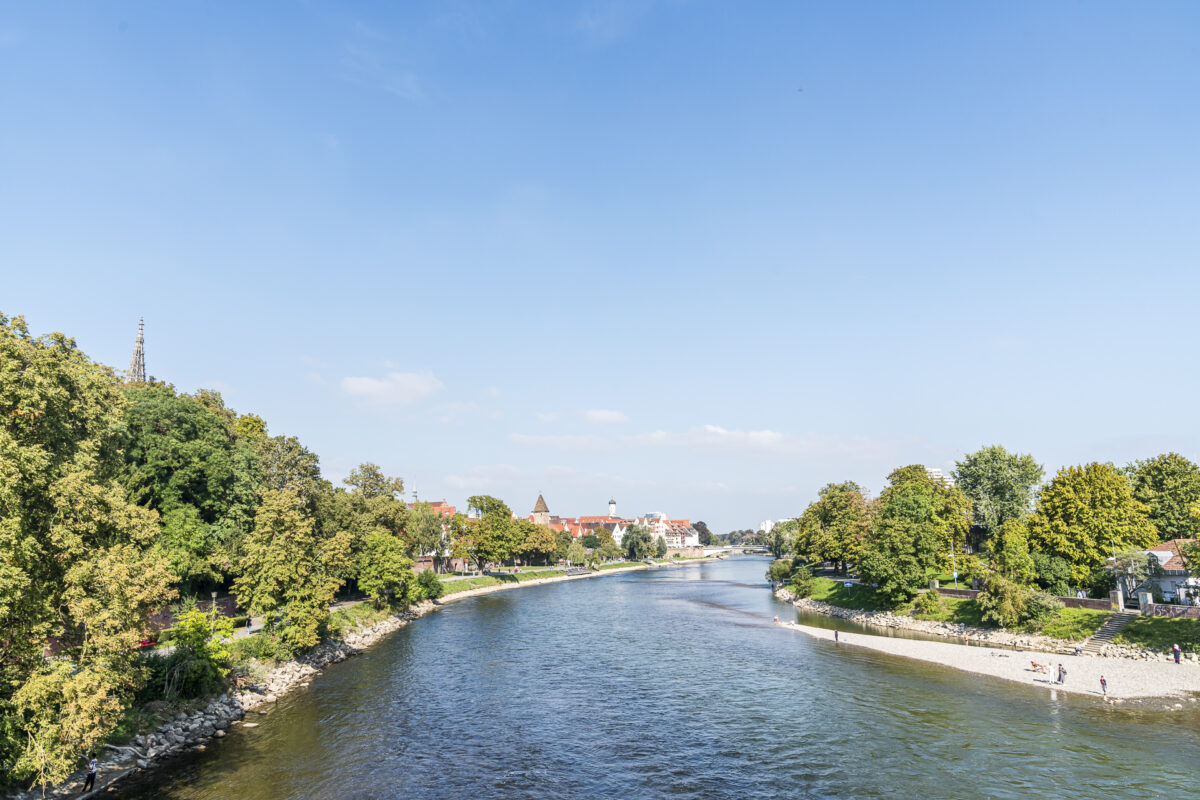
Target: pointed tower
(137,364)
(541,512)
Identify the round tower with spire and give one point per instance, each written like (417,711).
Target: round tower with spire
(612,508)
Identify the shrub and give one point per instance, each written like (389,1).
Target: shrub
(929,603)
(803,583)
(262,646)
(198,664)
(1002,601)
(1040,607)
(779,570)
(429,585)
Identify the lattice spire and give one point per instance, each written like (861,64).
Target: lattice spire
(137,365)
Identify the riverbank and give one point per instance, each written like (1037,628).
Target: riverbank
(196,729)
(1127,679)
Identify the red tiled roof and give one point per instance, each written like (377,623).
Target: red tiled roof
(1175,562)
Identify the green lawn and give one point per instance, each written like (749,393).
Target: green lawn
(1160,633)
(619,565)
(1072,624)
(1075,624)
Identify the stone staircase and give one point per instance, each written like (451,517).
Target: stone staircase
(1108,630)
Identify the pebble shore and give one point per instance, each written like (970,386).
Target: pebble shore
(1130,675)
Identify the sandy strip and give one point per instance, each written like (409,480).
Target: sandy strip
(1127,678)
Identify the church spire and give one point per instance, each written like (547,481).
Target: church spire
(137,364)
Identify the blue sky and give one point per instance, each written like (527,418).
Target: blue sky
(608,249)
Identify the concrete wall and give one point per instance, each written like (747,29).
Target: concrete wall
(1069,602)
(1162,610)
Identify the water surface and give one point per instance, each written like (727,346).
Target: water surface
(671,683)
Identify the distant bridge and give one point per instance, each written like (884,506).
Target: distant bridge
(736,548)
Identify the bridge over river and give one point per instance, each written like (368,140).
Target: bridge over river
(671,683)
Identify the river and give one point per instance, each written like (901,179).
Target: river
(670,683)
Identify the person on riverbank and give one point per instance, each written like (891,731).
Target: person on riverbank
(1175,652)
(93,766)
(835,635)
(1062,674)
(1103,686)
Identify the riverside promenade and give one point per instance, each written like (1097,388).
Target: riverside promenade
(1127,678)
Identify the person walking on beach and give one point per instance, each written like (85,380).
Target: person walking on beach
(1175,652)
(93,765)
(1103,686)
(1062,674)
(835,635)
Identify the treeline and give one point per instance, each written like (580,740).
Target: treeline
(998,523)
(117,501)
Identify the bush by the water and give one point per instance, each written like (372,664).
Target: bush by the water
(429,585)
(928,603)
(198,662)
(803,582)
(780,570)
(1008,604)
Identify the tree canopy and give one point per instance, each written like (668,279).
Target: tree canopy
(1084,514)
(1000,486)
(1169,486)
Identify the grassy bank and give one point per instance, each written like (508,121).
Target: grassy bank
(1072,624)
(1160,633)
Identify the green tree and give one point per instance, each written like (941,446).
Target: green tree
(290,574)
(706,536)
(834,527)
(609,551)
(384,571)
(781,539)
(1169,485)
(637,542)
(562,541)
(1084,514)
(779,570)
(1000,486)
(76,562)
(538,541)
(431,588)
(590,541)
(576,554)
(660,547)
(919,520)
(183,459)
(1052,574)
(494,537)
(199,660)
(1009,549)
(426,532)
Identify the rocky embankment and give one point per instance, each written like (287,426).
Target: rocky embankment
(192,730)
(952,630)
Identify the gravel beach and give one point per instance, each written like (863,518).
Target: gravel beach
(1127,679)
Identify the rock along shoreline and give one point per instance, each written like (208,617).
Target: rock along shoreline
(193,730)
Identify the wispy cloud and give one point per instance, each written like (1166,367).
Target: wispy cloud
(717,438)
(611,20)
(483,478)
(604,416)
(395,388)
(366,65)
